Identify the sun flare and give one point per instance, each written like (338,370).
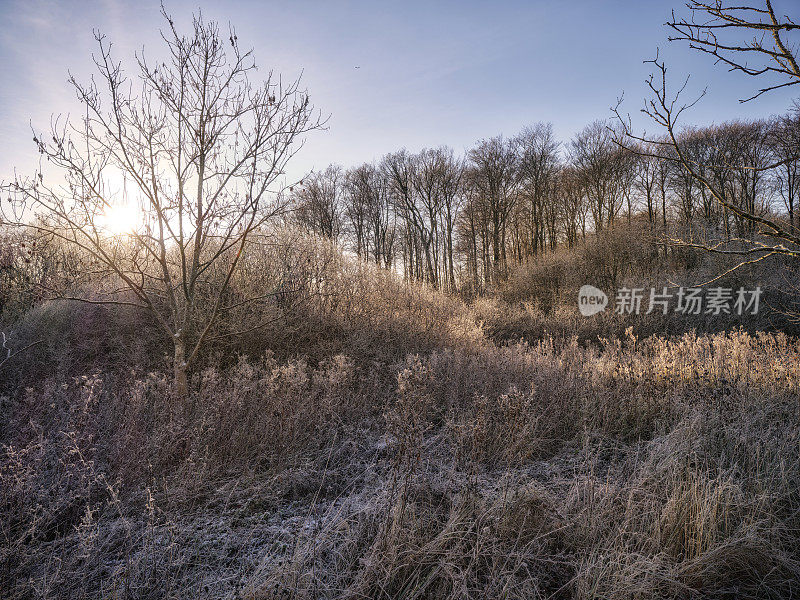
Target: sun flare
(119,219)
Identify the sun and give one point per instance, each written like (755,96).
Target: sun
(119,219)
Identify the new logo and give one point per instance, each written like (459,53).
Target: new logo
(591,300)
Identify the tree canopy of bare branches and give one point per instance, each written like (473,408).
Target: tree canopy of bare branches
(732,177)
(198,148)
(723,30)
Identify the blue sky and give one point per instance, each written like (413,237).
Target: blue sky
(429,73)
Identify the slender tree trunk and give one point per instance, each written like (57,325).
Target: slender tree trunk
(181,384)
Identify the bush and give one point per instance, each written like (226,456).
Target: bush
(605,260)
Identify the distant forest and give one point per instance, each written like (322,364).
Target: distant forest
(460,222)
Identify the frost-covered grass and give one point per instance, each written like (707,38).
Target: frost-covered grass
(630,468)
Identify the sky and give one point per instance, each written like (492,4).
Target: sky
(389,75)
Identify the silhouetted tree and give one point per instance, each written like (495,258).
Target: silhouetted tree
(202,149)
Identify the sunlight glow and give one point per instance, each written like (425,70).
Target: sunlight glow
(119,219)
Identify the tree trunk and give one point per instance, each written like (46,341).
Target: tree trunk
(181,385)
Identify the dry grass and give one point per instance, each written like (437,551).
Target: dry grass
(393,450)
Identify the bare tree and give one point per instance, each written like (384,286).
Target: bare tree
(319,202)
(495,175)
(369,214)
(201,148)
(435,180)
(709,23)
(538,152)
(395,171)
(646,183)
(785,144)
(753,162)
(714,28)
(425,208)
(472,237)
(602,165)
(573,205)
(451,188)
(666,111)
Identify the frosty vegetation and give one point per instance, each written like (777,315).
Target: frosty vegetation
(384,388)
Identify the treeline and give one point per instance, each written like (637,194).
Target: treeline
(460,222)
